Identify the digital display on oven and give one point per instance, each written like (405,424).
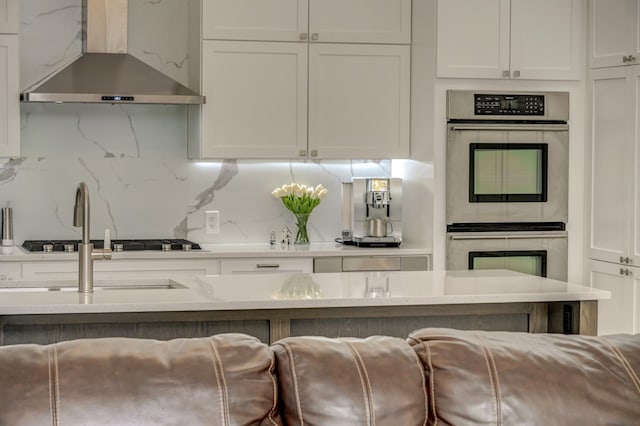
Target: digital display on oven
(530,105)
(509,104)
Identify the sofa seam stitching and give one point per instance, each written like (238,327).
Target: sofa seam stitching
(365,382)
(274,386)
(625,364)
(424,384)
(295,381)
(53,384)
(222,398)
(491,367)
(432,382)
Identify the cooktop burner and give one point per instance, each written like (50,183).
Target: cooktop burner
(116,245)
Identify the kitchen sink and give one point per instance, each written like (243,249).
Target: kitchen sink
(99,285)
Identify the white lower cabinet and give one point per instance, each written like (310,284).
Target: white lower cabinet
(265,265)
(10,271)
(621,313)
(120,269)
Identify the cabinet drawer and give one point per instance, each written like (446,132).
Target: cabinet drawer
(265,265)
(371,263)
(377,263)
(119,269)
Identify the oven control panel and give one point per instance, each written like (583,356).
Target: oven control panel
(486,104)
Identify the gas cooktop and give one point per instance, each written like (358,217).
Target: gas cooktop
(116,245)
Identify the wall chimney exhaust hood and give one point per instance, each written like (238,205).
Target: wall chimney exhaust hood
(106,73)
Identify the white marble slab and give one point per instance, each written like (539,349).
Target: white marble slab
(289,291)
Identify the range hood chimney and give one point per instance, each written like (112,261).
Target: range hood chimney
(106,73)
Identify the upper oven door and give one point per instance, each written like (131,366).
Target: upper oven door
(507,172)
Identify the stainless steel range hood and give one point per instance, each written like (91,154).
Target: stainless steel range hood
(106,73)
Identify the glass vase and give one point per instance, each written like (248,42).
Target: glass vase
(302,236)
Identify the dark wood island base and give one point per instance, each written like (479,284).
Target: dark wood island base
(269,325)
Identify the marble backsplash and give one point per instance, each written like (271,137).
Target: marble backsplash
(134,157)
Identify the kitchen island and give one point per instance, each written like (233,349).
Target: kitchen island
(272,306)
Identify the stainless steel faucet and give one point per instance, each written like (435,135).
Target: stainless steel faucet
(86,252)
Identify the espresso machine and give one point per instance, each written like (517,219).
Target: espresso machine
(372,212)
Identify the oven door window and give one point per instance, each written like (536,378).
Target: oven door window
(533,262)
(508,172)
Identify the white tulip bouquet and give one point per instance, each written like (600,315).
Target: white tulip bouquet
(300,200)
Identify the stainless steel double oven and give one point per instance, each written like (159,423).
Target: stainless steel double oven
(507,181)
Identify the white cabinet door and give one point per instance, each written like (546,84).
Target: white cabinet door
(349,21)
(614,32)
(611,162)
(9,97)
(9,16)
(473,38)
(273,20)
(256,100)
(620,313)
(518,39)
(545,39)
(634,165)
(359,101)
(360,21)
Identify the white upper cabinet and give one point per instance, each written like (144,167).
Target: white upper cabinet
(473,38)
(275,90)
(9,16)
(9,96)
(256,99)
(509,39)
(614,210)
(360,21)
(614,33)
(611,166)
(343,21)
(9,80)
(347,117)
(273,20)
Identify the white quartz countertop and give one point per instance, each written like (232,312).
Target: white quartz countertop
(221,251)
(292,291)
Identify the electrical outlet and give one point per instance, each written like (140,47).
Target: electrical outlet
(212,222)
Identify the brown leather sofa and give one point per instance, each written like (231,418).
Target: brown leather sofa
(436,376)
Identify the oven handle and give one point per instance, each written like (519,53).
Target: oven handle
(505,237)
(518,127)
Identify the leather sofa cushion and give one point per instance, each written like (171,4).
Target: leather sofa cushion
(345,381)
(221,380)
(519,378)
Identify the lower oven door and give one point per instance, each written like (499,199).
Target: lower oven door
(537,253)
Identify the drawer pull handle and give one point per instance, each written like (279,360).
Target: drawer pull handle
(267,265)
